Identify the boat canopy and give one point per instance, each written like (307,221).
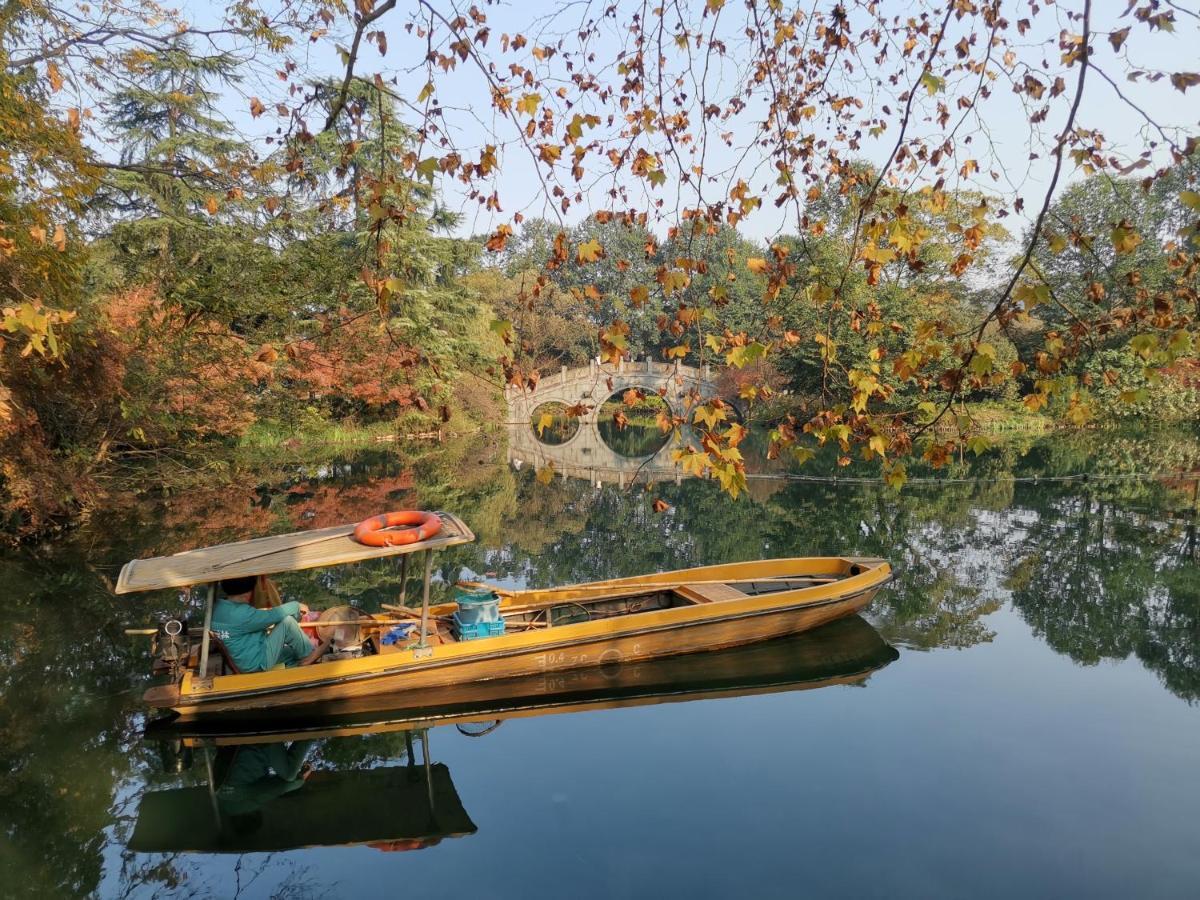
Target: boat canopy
(272,555)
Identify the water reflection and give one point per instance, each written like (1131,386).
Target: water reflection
(1078,572)
(599,454)
(279,782)
(260,797)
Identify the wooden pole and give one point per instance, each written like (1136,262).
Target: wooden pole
(208,614)
(425,597)
(403,578)
(212,787)
(428,767)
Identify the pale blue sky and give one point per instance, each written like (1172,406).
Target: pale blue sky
(1002,143)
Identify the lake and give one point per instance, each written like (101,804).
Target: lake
(1016,715)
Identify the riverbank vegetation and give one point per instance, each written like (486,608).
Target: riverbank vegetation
(212,237)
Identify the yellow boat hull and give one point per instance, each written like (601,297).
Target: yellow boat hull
(701,625)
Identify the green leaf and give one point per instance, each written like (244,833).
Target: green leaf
(502,328)
(979,444)
(740,357)
(932,83)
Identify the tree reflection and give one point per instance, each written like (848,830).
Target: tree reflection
(1103,569)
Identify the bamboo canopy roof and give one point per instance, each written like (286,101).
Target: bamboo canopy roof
(271,555)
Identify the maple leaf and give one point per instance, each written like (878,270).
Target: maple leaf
(673,281)
(896,476)
(589,251)
(709,414)
(1124,238)
(660,505)
(740,357)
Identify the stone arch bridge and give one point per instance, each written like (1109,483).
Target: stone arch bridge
(590,384)
(585,454)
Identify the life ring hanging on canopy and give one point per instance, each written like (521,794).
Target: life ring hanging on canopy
(413,525)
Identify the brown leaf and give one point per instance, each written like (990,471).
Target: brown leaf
(660,505)
(1184,80)
(60,238)
(1117,38)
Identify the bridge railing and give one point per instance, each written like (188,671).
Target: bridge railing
(595,370)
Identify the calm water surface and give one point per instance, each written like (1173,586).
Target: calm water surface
(1016,716)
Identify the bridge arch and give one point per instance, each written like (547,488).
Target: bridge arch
(596,382)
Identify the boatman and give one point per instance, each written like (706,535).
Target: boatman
(260,639)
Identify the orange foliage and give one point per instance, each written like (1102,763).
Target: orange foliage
(180,378)
(355,360)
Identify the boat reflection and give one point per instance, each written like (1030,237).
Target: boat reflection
(260,795)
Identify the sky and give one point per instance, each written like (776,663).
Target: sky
(1001,140)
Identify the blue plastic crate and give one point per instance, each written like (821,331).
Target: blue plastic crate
(470,631)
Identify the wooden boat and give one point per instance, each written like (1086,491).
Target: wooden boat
(847,651)
(549,630)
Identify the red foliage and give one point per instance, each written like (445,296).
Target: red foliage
(355,359)
(182,378)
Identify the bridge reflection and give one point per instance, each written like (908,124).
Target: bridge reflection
(586,455)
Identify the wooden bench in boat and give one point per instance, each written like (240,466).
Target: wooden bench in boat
(709,593)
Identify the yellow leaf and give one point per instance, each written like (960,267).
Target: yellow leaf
(1124,238)
(210,203)
(639,294)
(678,352)
(545,420)
(60,238)
(709,414)
(756,264)
(56,79)
(589,251)
(529,103)
(674,280)
(1190,199)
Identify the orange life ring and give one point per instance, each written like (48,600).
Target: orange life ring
(416,525)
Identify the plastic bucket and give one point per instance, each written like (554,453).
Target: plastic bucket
(477,605)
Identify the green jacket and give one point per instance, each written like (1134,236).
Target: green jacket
(243,630)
